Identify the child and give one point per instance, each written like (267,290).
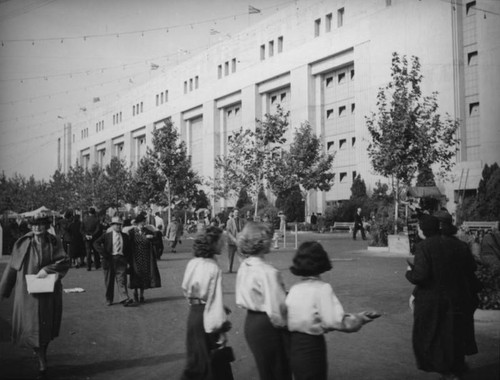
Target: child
(313,310)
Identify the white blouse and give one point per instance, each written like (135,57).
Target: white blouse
(203,280)
(259,287)
(313,308)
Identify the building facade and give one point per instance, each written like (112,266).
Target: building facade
(324,61)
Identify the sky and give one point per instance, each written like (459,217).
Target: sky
(57,56)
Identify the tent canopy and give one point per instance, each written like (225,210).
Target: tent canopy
(424,192)
(40,210)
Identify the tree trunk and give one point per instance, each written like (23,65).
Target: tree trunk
(169,200)
(396,207)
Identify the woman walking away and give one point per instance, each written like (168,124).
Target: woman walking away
(144,272)
(260,290)
(445,300)
(36,317)
(207,322)
(314,310)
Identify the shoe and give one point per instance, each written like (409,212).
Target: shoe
(136,298)
(127,302)
(109,303)
(142,300)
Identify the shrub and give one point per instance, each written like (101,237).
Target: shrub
(489,296)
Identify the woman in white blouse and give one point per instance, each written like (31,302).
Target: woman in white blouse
(260,290)
(207,322)
(313,310)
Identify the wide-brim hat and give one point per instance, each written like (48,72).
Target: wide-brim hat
(139,218)
(116,220)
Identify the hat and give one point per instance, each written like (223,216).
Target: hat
(444,216)
(41,219)
(116,220)
(139,218)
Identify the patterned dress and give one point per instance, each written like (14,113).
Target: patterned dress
(144,269)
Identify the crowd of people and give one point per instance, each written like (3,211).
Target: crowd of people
(284,329)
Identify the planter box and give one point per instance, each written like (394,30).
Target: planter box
(399,244)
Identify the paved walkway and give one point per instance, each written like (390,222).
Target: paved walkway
(147,342)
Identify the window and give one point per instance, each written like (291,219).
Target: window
(190,84)
(166,96)
(474,109)
(342,143)
(236,111)
(341,78)
(317,26)
(161,98)
(142,109)
(273,99)
(329,114)
(329,146)
(328,22)
(352,74)
(262,52)
(353,141)
(472,58)
(343,177)
(185,86)
(157,99)
(388,3)
(133,110)
(120,116)
(353,107)
(283,96)
(271,48)
(233,65)
(354,174)
(219,71)
(196,81)
(470,8)
(342,111)
(340,17)
(229,113)
(329,81)
(280,44)
(114,119)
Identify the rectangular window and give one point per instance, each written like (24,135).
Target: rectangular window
(190,84)
(283,96)
(142,109)
(388,3)
(273,99)
(354,174)
(342,143)
(114,119)
(353,141)
(157,100)
(236,110)
(280,44)
(162,98)
(329,114)
(120,116)
(317,26)
(328,22)
(470,8)
(329,146)
(133,110)
(262,52)
(343,177)
(166,96)
(271,48)
(342,111)
(233,65)
(185,86)
(472,58)
(219,71)
(341,78)
(329,81)
(352,74)
(196,81)
(474,109)
(226,68)
(340,17)
(353,107)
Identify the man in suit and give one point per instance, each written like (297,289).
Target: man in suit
(90,229)
(114,246)
(233,228)
(358,225)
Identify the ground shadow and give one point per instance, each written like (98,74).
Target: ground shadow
(164,299)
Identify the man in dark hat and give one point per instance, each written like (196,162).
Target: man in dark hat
(114,247)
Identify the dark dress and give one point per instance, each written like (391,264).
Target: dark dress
(445,301)
(77,245)
(144,272)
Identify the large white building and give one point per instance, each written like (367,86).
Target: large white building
(324,61)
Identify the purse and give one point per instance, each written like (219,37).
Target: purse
(41,285)
(223,354)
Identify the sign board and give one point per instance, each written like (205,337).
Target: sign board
(413,238)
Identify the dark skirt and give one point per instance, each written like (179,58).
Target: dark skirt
(269,347)
(200,365)
(308,356)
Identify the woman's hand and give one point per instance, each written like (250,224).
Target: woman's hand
(42,273)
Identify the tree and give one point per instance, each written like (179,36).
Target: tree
(252,157)
(305,165)
(165,173)
(488,196)
(358,188)
(407,132)
(116,184)
(425,177)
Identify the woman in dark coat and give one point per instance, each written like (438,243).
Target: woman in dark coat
(144,272)
(77,246)
(36,317)
(445,300)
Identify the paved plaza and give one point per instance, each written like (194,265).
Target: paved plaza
(148,341)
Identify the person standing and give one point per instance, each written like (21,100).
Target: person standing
(114,247)
(445,300)
(159,223)
(207,321)
(233,228)
(36,318)
(314,310)
(90,230)
(63,230)
(314,221)
(144,273)
(174,233)
(358,225)
(260,290)
(77,245)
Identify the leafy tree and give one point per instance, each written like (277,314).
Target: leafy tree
(425,177)
(243,199)
(116,181)
(305,165)
(252,157)
(407,132)
(291,202)
(358,188)
(165,175)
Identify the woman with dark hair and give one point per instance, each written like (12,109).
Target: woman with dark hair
(445,299)
(207,321)
(36,318)
(314,310)
(260,290)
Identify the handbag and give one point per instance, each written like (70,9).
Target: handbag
(223,354)
(41,285)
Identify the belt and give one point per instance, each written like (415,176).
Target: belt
(196,301)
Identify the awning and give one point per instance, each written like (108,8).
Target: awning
(424,192)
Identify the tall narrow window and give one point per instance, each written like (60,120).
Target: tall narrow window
(353,107)
(262,52)
(280,44)
(341,78)
(352,74)
(196,81)
(226,68)
(142,107)
(472,58)
(329,113)
(317,26)
(340,17)
(185,86)
(271,48)
(166,96)
(233,65)
(474,109)
(328,22)
(353,142)
(219,71)
(157,99)
(470,8)
(120,116)
(329,81)
(133,110)
(341,111)
(190,84)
